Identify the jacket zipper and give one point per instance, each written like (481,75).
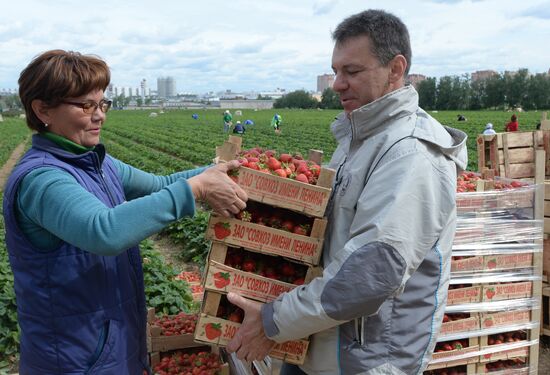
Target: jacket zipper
(103,182)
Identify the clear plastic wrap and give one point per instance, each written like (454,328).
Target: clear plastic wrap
(493,271)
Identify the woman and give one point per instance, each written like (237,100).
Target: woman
(74,217)
(513,125)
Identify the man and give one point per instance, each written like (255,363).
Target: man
(239,128)
(276,122)
(227,121)
(489,129)
(379,305)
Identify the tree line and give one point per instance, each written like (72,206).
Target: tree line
(501,91)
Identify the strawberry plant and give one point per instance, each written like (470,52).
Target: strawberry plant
(9,329)
(188,233)
(163,291)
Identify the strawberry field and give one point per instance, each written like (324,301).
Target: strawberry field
(175,140)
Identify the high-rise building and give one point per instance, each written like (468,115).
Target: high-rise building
(483,74)
(143,86)
(415,79)
(166,87)
(324,82)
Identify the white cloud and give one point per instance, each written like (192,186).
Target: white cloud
(247,44)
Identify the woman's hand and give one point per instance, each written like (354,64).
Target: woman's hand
(218,190)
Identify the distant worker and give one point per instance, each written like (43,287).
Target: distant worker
(513,125)
(489,129)
(239,128)
(276,122)
(195,116)
(227,121)
(461,118)
(249,122)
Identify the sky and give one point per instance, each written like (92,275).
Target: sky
(262,45)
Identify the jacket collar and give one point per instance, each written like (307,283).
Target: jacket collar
(371,118)
(42,143)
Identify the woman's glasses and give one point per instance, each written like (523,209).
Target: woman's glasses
(90,106)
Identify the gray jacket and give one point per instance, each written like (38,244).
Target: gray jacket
(379,305)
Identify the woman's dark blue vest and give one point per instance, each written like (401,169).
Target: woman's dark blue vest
(79,313)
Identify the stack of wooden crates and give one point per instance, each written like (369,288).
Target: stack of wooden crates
(512,155)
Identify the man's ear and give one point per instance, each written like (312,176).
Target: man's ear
(41,110)
(398,66)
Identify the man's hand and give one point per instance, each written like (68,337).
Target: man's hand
(250,342)
(221,193)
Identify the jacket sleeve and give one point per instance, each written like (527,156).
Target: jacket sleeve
(52,199)
(399,216)
(138,183)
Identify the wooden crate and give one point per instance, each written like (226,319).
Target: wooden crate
(263,239)
(545,311)
(224,279)
(160,343)
(217,331)
(512,155)
(282,192)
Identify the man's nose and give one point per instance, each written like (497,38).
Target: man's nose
(340,84)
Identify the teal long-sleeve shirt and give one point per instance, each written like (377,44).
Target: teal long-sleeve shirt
(52,206)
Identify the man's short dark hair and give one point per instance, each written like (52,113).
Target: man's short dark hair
(388,34)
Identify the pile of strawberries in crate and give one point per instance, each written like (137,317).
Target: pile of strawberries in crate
(179,324)
(467,182)
(283,165)
(193,278)
(271,247)
(189,362)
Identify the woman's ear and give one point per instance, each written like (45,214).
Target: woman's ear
(41,110)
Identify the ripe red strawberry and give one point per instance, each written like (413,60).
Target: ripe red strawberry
(273,163)
(221,279)
(253,165)
(302,229)
(288,270)
(299,281)
(221,230)
(287,225)
(315,169)
(213,330)
(280,172)
(285,158)
(249,265)
(302,178)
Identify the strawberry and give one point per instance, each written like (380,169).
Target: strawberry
(299,281)
(249,265)
(280,172)
(273,163)
(288,270)
(302,229)
(213,330)
(315,169)
(285,158)
(221,279)
(253,165)
(287,225)
(221,230)
(302,178)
